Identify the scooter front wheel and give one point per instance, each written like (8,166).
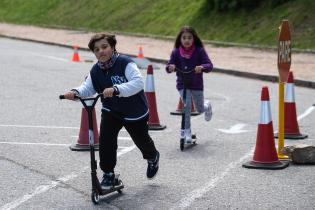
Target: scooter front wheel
(95,196)
(182,143)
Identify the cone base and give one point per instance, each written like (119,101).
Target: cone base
(180,113)
(157,127)
(293,136)
(269,166)
(83,147)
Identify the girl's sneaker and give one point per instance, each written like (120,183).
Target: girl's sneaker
(188,138)
(208,110)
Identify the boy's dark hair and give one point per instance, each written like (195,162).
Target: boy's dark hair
(111,39)
(188,29)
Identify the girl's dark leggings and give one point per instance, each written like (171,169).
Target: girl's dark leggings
(109,129)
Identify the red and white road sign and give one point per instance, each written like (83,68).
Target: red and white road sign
(284,51)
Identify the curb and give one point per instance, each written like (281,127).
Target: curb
(270,78)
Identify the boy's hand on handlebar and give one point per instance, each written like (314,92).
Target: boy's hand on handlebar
(69,95)
(171,68)
(198,69)
(108,92)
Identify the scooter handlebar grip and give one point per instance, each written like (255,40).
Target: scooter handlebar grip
(62,97)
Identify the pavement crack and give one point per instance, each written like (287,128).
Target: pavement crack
(29,168)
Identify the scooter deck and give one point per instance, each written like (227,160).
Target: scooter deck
(190,143)
(184,144)
(96,193)
(116,187)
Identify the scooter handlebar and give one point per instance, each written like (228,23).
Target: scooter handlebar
(63,97)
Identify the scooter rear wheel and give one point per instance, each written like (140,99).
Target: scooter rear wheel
(95,196)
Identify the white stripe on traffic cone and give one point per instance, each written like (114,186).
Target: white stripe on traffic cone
(265,113)
(154,122)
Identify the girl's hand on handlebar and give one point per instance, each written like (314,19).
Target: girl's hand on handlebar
(198,69)
(108,92)
(171,68)
(69,95)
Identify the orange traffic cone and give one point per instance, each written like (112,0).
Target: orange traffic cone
(265,155)
(180,108)
(75,57)
(154,122)
(140,53)
(291,126)
(83,140)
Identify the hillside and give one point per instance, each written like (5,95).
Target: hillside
(258,26)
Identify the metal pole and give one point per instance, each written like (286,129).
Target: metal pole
(281,122)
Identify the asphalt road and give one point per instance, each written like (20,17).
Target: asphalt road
(38,171)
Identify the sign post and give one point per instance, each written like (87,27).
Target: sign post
(284,63)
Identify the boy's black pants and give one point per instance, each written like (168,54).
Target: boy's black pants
(109,129)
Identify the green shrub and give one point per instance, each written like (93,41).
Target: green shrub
(275,3)
(234,5)
(230,5)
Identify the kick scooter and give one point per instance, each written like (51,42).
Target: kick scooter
(183,143)
(97,191)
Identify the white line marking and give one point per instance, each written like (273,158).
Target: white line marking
(197,193)
(30,143)
(304,114)
(125,150)
(119,138)
(39,126)
(51,57)
(42,144)
(43,188)
(46,126)
(307,112)
(124,138)
(237,128)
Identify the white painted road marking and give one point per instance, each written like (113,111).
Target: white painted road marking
(31,143)
(51,57)
(234,129)
(43,188)
(45,126)
(119,138)
(39,126)
(37,144)
(304,114)
(307,112)
(197,193)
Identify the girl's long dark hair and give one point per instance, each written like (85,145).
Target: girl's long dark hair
(189,29)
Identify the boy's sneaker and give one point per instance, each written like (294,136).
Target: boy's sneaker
(188,138)
(108,181)
(208,111)
(153,166)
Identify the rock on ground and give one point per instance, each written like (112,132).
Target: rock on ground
(300,153)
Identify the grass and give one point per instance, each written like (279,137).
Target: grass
(165,18)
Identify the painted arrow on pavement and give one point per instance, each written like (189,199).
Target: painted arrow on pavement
(234,129)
